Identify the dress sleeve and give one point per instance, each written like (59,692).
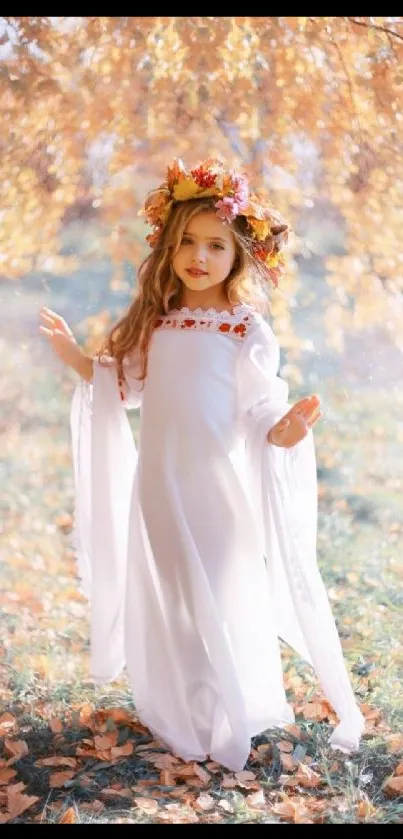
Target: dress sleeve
(104,461)
(284,496)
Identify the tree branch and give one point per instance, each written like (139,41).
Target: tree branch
(377,26)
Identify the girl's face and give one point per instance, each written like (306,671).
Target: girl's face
(206,253)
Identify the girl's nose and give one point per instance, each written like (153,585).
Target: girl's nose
(198,256)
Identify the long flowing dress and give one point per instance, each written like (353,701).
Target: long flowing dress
(198,551)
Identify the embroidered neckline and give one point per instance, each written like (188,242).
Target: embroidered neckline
(211,312)
(235,323)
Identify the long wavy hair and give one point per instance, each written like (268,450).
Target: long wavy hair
(160,289)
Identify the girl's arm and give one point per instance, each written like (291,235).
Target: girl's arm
(63,342)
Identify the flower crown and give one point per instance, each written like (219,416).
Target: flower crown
(267,229)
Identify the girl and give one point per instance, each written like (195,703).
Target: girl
(198,552)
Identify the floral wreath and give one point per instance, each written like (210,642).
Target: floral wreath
(267,229)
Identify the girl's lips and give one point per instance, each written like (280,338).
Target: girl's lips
(194,273)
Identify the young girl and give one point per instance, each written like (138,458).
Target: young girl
(199,552)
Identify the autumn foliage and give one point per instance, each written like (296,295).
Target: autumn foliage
(93,108)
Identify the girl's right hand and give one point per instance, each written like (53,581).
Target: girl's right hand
(60,336)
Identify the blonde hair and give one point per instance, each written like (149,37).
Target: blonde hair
(160,290)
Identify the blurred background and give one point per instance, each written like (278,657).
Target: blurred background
(92,111)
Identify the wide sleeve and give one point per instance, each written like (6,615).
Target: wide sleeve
(284,494)
(104,461)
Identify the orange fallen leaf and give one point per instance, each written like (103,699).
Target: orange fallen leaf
(228,782)
(16,748)
(6,774)
(57,760)
(202,774)
(287,762)
(365,809)
(120,715)
(122,751)
(106,741)
(306,777)
(394,743)
(68,817)
(17,803)
(294,810)
(85,714)
(315,711)
(256,799)
(7,722)
(225,805)
(294,729)
(147,805)
(167,779)
(55,725)
(285,746)
(394,785)
(399,769)
(58,779)
(123,792)
(204,802)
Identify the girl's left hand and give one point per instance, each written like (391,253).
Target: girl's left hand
(294,426)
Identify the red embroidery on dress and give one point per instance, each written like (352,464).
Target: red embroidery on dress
(234,323)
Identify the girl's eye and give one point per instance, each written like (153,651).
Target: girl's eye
(216,245)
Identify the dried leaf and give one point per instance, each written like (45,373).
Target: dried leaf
(204,802)
(147,805)
(58,779)
(394,785)
(6,774)
(68,817)
(57,760)
(16,748)
(55,725)
(256,799)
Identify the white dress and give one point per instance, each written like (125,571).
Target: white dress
(198,552)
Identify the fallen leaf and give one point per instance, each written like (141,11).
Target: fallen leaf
(55,725)
(122,751)
(394,743)
(228,782)
(315,711)
(57,760)
(394,785)
(285,746)
(123,792)
(167,779)
(68,817)
(399,769)
(287,762)
(85,715)
(225,805)
(7,722)
(58,779)
(17,803)
(294,729)
(106,741)
(202,774)
(204,802)
(256,799)
(120,715)
(147,805)
(16,748)
(6,774)
(306,777)
(365,809)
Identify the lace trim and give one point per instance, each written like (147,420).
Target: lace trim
(235,323)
